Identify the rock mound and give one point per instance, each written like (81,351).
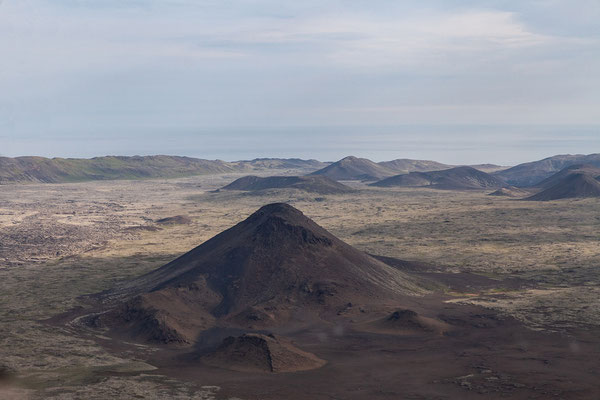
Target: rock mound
(275,266)
(261,353)
(314,184)
(404,321)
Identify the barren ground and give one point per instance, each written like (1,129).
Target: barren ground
(58,242)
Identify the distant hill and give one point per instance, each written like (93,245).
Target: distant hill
(578,185)
(316,184)
(405,165)
(458,178)
(489,168)
(57,170)
(279,163)
(354,168)
(591,170)
(532,173)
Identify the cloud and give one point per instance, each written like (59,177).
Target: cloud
(76,64)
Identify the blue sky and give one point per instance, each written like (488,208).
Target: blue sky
(458,81)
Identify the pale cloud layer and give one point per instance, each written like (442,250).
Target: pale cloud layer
(89,68)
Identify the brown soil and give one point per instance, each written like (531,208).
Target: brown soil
(261,353)
(484,356)
(5,373)
(334,303)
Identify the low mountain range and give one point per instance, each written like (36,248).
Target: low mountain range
(532,173)
(57,170)
(354,168)
(315,184)
(459,178)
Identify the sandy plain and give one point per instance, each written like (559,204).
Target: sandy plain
(58,242)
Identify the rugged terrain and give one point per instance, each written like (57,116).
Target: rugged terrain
(55,170)
(303,272)
(490,258)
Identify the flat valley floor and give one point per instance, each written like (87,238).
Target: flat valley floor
(536,264)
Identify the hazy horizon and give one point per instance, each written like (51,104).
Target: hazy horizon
(455,81)
(451,144)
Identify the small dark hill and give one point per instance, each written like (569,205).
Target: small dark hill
(406,322)
(261,353)
(315,184)
(510,191)
(577,185)
(275,266)
(590,170)
(459,178)
(532,173)
(175,220)
(353,168)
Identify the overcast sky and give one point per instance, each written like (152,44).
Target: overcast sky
(456,81)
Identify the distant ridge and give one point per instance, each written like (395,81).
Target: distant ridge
(458,178)
(591,170)
(575,185)
(406,165)
(354,168)
(316,184)
(532,173)
(58,170)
